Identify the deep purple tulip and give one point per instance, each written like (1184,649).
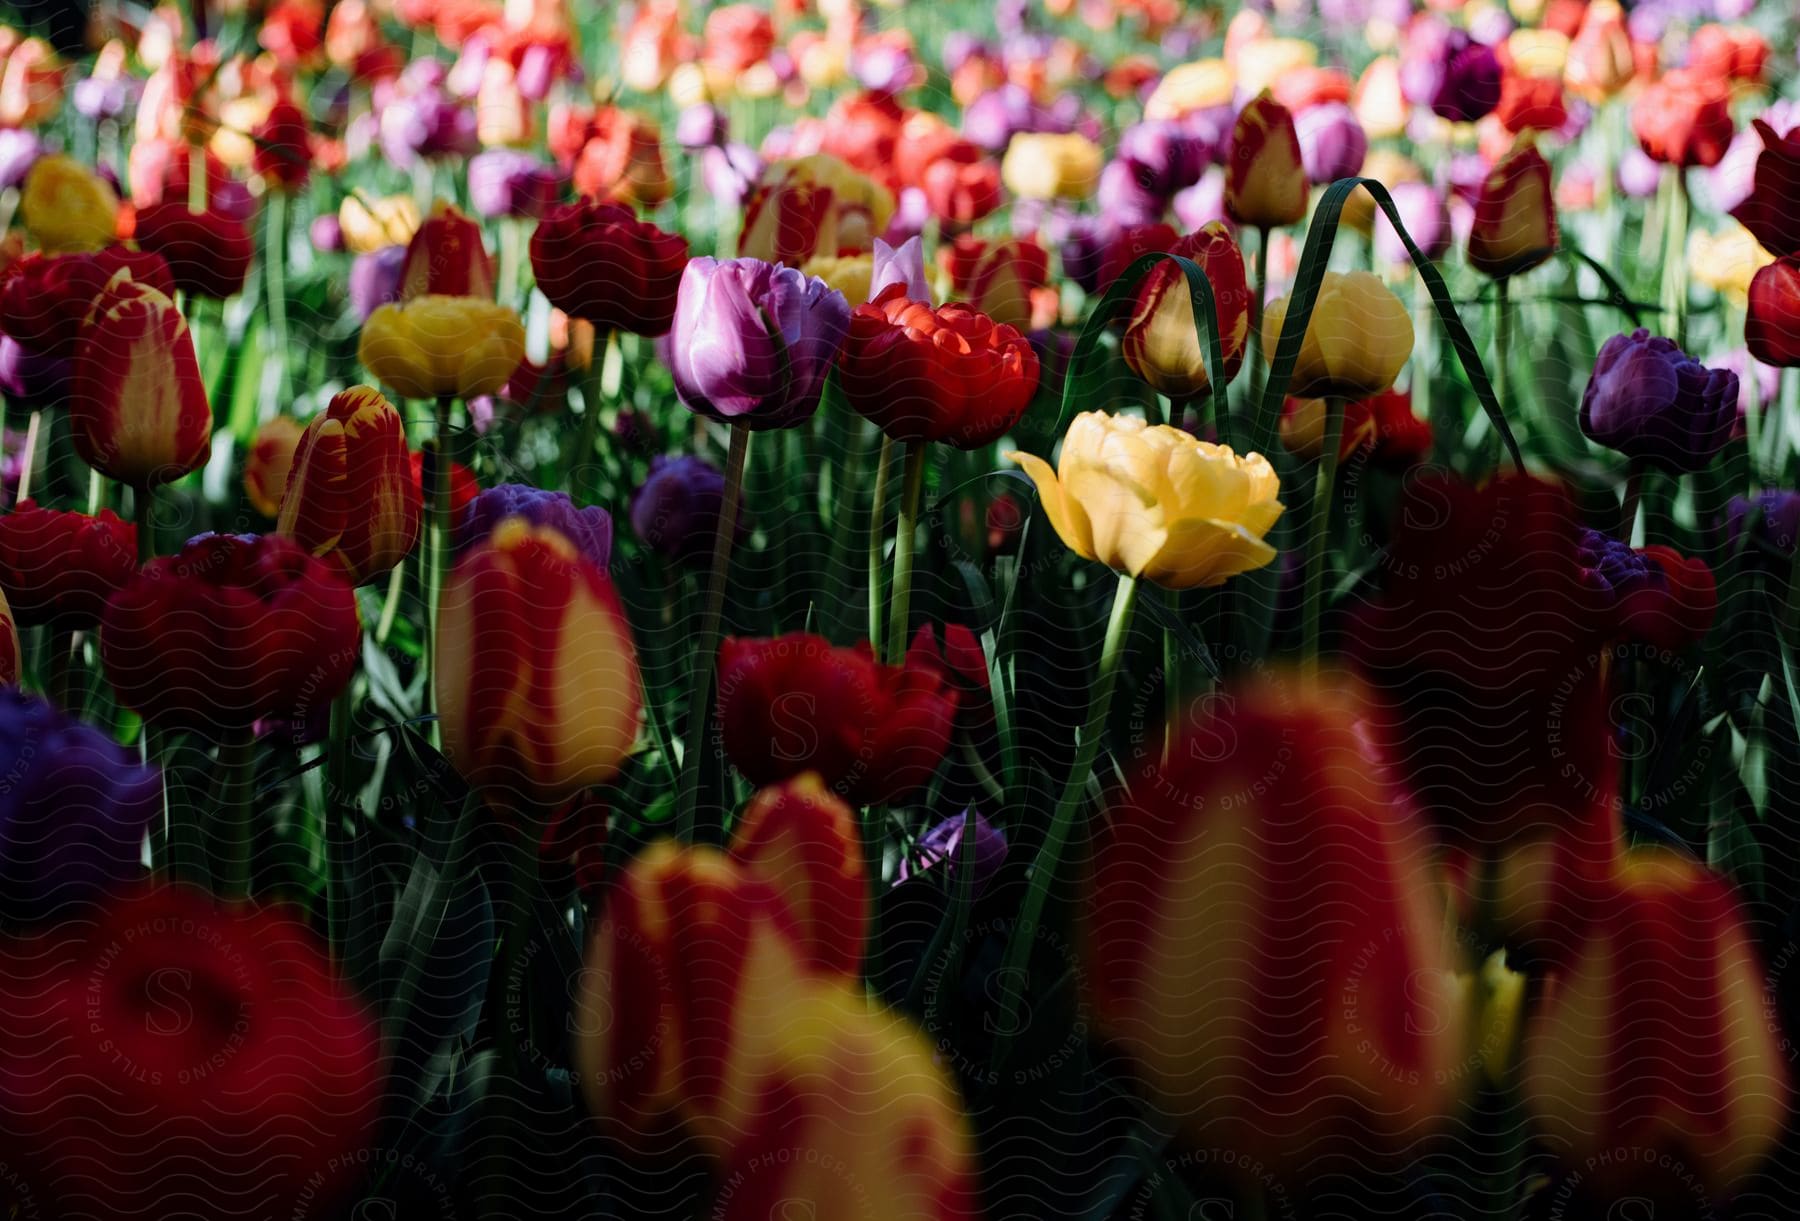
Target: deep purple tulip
(1332,143)
(31,378)
(590,528)
(942,846)
(74,808)
(1777,515)
(1125,198)
(1425,216)
(752,341)
(508,182)
(1614,568)
(1169,155)
(1650,401)
(19,151)
(676,511)
(375,279)
(1082,248)
(1470,88)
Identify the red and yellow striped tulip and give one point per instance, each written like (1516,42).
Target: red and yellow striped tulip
(811,206)
(1265,179)
(350,490)
(801,837)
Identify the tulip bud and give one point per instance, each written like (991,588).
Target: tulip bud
(1600,60)
(804,841)
(1772,328)
(622,161)
(1332,142)
(67,207)
(1265,179)
(446,258)
(60,568)
(209,252)
(350,493)
(1047,165)
(1683,119)
(1194,948)
(1652,402)
(1357,340)
(1515,216)
(432,347)
(1161,343)
(137,403)
(531,727)
(1658,597)
(675,512)
(600,263)
(1470,85)
(998,278)
(944,848)
(231,630)
(1381,107)
(270,459)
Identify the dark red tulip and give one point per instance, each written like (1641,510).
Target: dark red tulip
(601,263)
(1772,327)
(208,253)
(59,567)
(44,298)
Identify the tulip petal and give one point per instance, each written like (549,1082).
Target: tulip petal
(1066,517)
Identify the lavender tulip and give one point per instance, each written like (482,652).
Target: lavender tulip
(904,264)
(1332,142)
(19,151)
(1425,216)
(752,341)
(701,125)
(375,279)
(1652,402)
(507,182)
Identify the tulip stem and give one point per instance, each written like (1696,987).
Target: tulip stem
(1675,281)
(275,235)
(1319,533)
(1253,358)
(593,390)
(339,804)
(143,507)
(1502,343)
(231,818)
(912,492)
(28,456)
(440,546)
(706,661)
(1062,821)
(877,519)
(1628,505)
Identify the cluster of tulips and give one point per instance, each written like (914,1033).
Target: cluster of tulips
(1202,614)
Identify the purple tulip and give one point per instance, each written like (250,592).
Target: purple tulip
(1081,245)
(1426,48)
(375,279)
(507,182)
(902,264)
(912,212)
(30,378)
(1752,374)
(701,126)
(1778,520)
(942,846)
(1425,216)
(326,234)
(1169,155)
(1639,174)
(1125,198)
(1650,401)
(960,48)
(882,67)
(538,71)
(729,172)
(1470,88)
(676,510)
(1332,142)
(590,528)
(421,120)
(1204,202)
(1615,569)
(19,151)
(73,811)
(98,98)
(752,341)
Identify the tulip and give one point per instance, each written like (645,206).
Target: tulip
(1728,53)
(1190,87)
(1381,107)
(1295,1033)
(1768,210)
(31,85)
(751,342)
(1659,597)
(137,404)
(59,567)
(936,374)
(600,263)
(283,156)
(19,151)
(1201,524)
(1653,403)
(442,347)
(506,182)
(446,258)
(74,813)
(1683,119)
(45,299)
(1160,342)
(1772,327)
(1600,61)
(67,207)
(1426,217)
(231,630)
(805,842)
(1515,216)
(1048,165)
(209,253)
(675,512)
(196,1042)
(1332,143)
(463,487)
(1265,178)
(1771,521)
(622,161)
(945,848)
(793,704)
(1654,1036)
(1357,340)
(998,278)
(1531,103)
(590,529)
(349,492)
(1168,155)
(1125,195)
(849,275)
(1126,246)
(1470,85)
(367,227)
(1382,429)
(812,205)
(533,727)
(270,459)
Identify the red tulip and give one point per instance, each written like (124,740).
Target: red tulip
(463,487)
(1768,211)
(794,703)
(1728,53)
(1531,103)
(947,373)
(208,253)
(350,493)
(231,630)
(1161,343)
(1130,244)
(599,262)
(446,257)
(621,160)
(175,1042)
(1515,216)
(863,131)
(998,278)
(1772,327)
(738,36)
(58,567)
(44,298)
(1382,429)
(136,400)
(1684,119)
(804,840)
(283,156)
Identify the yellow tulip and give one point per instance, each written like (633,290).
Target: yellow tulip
(368,227)
(434,346)
(1538,52)
(850,274)
(1727,261)
(67,208)
(1357,340)
(1043,165)
(1201,85)
(1261,64)
(1155,502)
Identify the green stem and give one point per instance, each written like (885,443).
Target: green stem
(912,492)
(1628,506)
(390,606)
(440,546)
(1068,806)
(583,481)
(1172,683)
(59,645)
(877,539)
(144,512)
(706,661)
(275,237)
(1319,532)
(1674,280)
(1258,288)
(232,833)
(28,457)
(339,806)
(1502,343)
